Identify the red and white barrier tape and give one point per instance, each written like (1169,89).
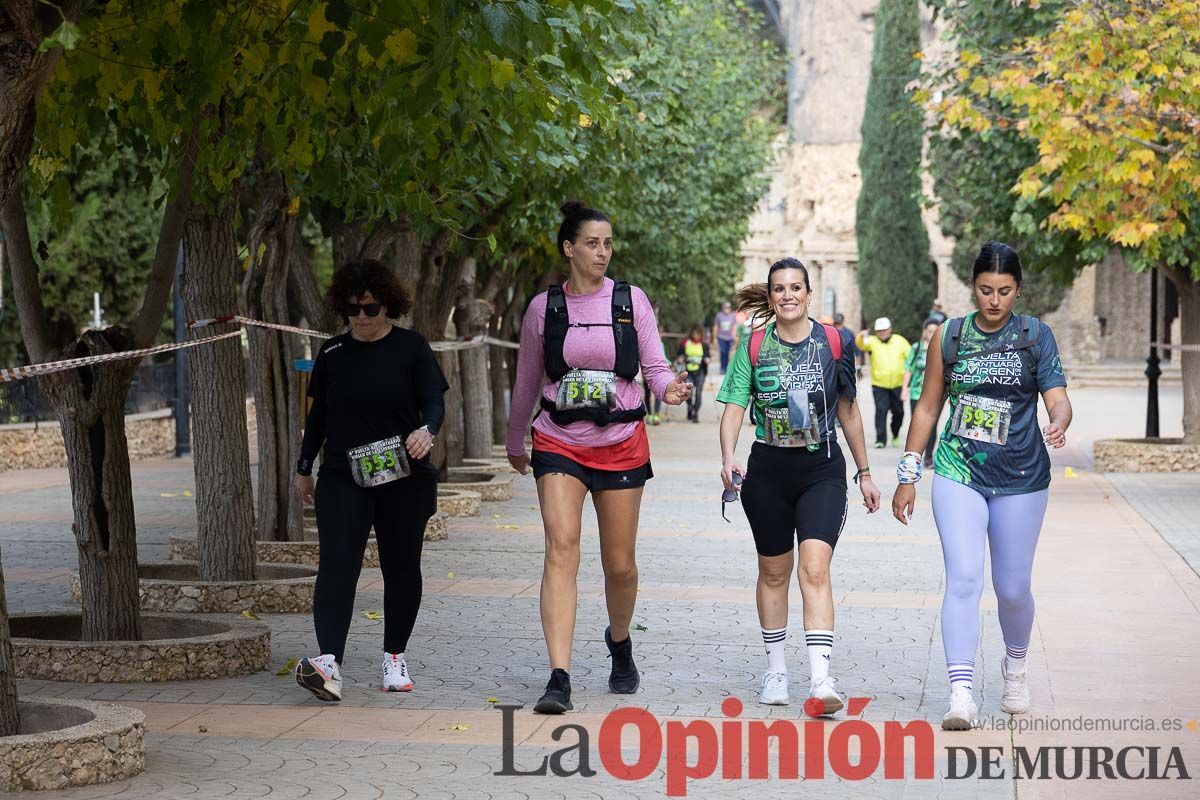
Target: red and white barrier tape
(32,370)
(1192,348)
(20,373)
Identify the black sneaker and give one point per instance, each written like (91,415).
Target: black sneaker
(557,698)
(624,678)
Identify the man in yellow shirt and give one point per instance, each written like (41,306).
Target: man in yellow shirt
(888,352)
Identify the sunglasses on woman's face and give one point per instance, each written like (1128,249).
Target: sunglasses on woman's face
(370,309)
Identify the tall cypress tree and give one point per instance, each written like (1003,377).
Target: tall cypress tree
(894,276)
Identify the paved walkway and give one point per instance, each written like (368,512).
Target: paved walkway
(1117,641)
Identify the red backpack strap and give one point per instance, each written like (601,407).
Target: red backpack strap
(835,341)
(756,340)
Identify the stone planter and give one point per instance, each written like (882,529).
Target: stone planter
(491,487)
(457,502)
(1145,455)
(176,647)
(494,466)
(65,743)
(176,586)
(184,548)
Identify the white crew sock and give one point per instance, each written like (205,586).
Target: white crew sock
(820,651)
(774,640)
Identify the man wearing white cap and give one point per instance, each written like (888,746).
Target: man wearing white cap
(888,352)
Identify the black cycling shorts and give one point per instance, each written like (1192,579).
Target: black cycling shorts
(791,493)
(596,480)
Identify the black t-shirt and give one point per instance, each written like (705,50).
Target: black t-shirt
(363,392)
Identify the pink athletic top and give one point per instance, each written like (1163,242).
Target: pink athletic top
(584,348)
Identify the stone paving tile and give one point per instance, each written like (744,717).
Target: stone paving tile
(479,637)
(1169,502)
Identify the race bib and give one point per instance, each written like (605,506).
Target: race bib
(379,462)
(778,430)
(587,388)
(982,418)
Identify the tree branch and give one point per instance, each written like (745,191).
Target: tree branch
(27,294)
(382,237)
(170,235)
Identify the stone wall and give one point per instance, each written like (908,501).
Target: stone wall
(110,746)
(28,447)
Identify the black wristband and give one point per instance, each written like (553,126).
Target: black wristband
(304,467)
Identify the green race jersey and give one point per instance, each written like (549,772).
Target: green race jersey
(991,441)
(784,366)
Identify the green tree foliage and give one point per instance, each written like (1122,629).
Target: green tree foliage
(97,234)
(893,245)
(974,171)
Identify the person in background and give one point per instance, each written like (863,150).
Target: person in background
(914,380)
(839,322)
(722,332)
(694,354)
(936,314)
(888,353)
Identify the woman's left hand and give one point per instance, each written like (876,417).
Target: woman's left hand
(419,443)
(678,390)
(1054,435)
(870,493)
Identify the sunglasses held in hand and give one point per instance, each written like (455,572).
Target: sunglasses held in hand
(730,495)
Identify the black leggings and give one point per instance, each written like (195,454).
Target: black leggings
(697,379)
(346,513)
(887,400)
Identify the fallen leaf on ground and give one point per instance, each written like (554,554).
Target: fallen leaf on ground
(509,527)
(203,729)
(449,574)
(248,614)
(187,494)
(499,516)
(493,700)
(1070,473)
(167,494)
(640,628)
(288,668)
(372,615)
(460,727)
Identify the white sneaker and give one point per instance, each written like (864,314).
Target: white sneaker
(963,711)
(1016,690)
(395,673)
(320,676)
(774,689)
(830,700)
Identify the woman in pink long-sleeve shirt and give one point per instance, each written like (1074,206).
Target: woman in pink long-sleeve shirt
(589,437)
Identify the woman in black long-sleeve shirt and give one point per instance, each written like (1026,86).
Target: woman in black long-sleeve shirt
(376,395)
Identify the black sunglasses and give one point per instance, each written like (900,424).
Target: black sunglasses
(730,495)
(370,309)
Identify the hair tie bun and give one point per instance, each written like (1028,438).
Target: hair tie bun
(572,208)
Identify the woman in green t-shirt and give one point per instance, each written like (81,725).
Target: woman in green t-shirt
(914,379)
(797,375)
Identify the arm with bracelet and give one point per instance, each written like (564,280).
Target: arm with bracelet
(924,420)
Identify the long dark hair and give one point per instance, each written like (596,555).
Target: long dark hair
(756,297)
(356,278)
(575,214)
(999,258)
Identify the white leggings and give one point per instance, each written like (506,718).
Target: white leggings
(1010,524)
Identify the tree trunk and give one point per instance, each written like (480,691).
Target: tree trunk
(1189,323)
(10,719)
(470,318)
(89,403)
(498,377)
(224,499)
(272,353)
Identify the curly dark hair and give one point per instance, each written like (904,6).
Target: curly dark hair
(356,278)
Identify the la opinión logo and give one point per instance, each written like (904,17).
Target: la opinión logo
(696,749)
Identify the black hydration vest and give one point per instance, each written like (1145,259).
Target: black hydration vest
(1026,345)
(624,337)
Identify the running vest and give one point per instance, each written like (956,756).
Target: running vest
(693,352)
(831,333)
(1026,345)
(627,364)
